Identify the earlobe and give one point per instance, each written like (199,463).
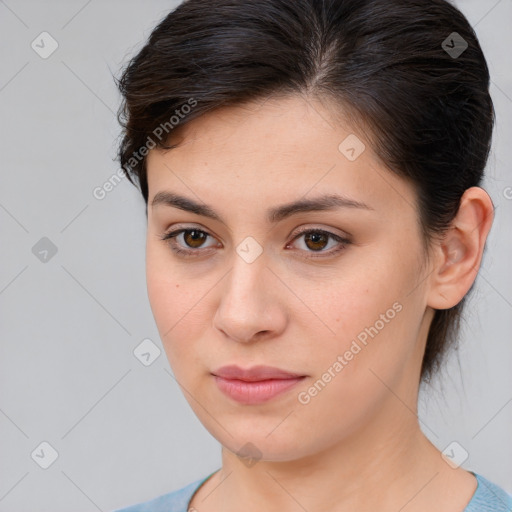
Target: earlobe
(459,253)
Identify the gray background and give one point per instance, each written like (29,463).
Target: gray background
(123,431)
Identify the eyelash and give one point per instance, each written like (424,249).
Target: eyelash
(170,236)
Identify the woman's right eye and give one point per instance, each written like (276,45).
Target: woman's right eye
(190,237)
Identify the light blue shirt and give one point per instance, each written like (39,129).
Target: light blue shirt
(488,497)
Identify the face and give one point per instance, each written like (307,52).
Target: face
(333,294)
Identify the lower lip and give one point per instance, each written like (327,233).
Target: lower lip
(255,392)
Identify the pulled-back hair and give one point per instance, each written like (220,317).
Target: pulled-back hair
(398,69)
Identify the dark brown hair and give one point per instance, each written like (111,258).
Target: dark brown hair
(411,71)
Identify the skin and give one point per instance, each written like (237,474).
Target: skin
(357,445)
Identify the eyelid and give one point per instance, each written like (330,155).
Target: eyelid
(305,229)
(298,231)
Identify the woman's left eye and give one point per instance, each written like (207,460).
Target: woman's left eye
(315,241)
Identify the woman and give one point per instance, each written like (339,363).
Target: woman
(311,173)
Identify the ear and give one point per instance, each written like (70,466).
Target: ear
(459,253)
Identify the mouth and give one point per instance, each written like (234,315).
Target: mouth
(255,385)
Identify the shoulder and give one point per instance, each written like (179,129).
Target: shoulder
(175,501)
(489,497)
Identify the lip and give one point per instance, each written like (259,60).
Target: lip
(254,385)
(255,373)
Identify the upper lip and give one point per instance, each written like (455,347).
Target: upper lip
(254,373)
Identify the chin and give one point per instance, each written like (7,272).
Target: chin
(259,440)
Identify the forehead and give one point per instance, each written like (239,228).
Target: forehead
(273,150)
(275,125)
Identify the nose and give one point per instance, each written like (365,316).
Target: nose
(251,306)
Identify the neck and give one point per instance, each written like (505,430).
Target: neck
(382,466)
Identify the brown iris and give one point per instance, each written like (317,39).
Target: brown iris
(316,238)
(194,238)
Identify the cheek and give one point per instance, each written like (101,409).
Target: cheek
(167,293)
(162,286)
(348,299)
(374,343)
(372,317)
(179,303)
(174,319)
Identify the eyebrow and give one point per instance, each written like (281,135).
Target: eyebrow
(275,214)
